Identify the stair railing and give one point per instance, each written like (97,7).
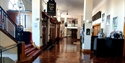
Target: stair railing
(7,24)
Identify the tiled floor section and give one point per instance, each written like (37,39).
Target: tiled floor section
(69,52)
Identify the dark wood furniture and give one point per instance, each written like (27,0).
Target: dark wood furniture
(58,29)
(74,34)
(53,29)
(45,28)
(108,47)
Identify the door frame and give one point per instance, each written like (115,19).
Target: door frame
(99,24)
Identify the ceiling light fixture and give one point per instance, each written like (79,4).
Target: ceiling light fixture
(67,13)
(67,9)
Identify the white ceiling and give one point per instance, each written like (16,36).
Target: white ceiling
(74,7)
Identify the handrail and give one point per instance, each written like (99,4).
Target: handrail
(9,47)
(8,16)
(3,13)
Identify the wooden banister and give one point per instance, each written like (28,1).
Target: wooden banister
(21,51)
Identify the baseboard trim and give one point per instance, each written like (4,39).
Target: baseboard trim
(86,51)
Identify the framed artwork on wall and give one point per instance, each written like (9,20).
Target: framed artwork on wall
(108,20)
(115,22)
(87,31)
(103,17)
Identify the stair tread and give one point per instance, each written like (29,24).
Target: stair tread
(32,54)
(27,46)
(30,50)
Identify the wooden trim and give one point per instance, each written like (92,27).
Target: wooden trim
(97,24)
(53,20)
(22,51)
(8,35)
(124,38)
(45,14)
(86,51)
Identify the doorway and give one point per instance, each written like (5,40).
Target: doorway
(96,29)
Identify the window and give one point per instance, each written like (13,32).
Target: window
(15,4)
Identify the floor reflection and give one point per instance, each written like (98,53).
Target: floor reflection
(69,52)
(64,52)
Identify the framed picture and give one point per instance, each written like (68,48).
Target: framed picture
(103,17)
(87,31)
(115,22)
(108,20)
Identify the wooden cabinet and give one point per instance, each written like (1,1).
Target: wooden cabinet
(26,18)
(108,47)
(74,34)
(58,28)
(45,32)
(53,31)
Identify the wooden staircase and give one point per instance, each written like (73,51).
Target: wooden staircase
(29,53)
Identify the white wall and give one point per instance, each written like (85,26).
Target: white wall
(124,8)
(5,40)
(4,4)
(28,6)
(44,5)
(36,22)
(114,8)
(87,38)
(88,6)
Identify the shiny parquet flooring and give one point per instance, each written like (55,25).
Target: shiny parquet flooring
(64,52)
(67,51)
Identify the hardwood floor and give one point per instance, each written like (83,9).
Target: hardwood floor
(67,51)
